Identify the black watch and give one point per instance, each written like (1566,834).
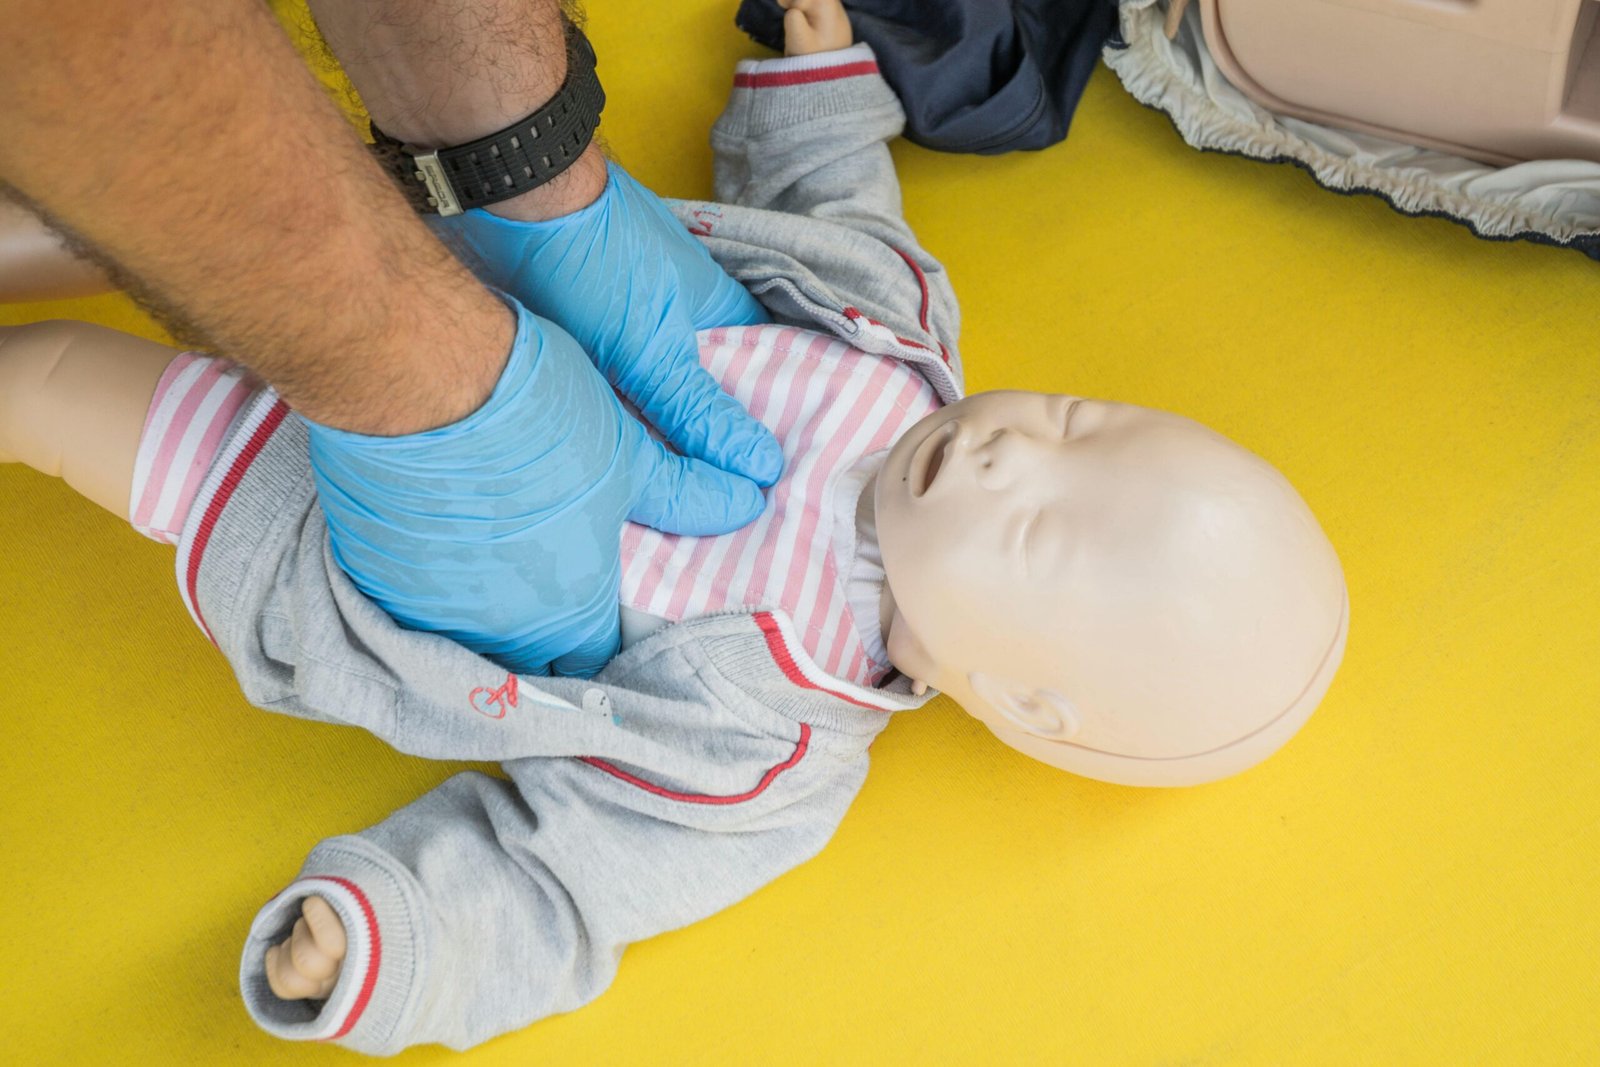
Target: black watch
(520,157)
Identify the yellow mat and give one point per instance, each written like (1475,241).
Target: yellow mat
(1413,880)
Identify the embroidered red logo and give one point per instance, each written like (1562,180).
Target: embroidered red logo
(495,702)
(704,220)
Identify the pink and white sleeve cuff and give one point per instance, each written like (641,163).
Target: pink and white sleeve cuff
(191,416)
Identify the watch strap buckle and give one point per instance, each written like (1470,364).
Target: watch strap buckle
(430,172)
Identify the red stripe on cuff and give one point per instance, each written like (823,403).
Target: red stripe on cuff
(369,981)
(791,669)
(775,79)
(208,522)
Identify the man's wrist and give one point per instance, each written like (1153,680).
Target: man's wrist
(448,75)
(432,362)
(436,75)
(572,190)
(527,153)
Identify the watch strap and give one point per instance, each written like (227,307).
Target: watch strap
(523,156)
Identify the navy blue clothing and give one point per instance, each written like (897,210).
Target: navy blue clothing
(984,76)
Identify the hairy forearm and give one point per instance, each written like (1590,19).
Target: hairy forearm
(186,143)
(439,73)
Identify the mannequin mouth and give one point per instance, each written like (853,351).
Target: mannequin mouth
(929,458)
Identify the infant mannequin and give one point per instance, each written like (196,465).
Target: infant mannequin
(1111,589)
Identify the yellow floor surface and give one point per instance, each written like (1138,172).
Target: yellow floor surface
(1413,880)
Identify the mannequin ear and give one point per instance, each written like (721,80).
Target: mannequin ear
(1044,713)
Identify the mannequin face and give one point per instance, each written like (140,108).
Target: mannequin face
(1100,576)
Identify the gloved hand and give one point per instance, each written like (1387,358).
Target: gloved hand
(503,531)
(628,281)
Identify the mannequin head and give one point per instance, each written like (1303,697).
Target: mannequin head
(1113,590)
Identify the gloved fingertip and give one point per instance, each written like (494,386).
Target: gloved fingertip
(746,504)
(743,505)
(756,456)
(703,500)
(766,462)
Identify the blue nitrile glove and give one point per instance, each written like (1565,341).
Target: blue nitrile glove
(628,281)
(503,531)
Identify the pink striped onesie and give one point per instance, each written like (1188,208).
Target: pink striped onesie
(833,408)
(192,414)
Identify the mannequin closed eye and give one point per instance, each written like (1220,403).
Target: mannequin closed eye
(1069,409)
(1020,542)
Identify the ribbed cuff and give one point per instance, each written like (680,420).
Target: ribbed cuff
(259,488)
(798,70)
(772,94)
(761,653)
(375,901)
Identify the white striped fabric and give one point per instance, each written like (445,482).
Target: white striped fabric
(830,406)
(195,405)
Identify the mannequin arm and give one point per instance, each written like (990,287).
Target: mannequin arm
(73,399)
(36,264)
(486,904)
(808,135)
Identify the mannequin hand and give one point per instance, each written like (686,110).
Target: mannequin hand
(811,26)
(306,963)
(628,281)
(503,531)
